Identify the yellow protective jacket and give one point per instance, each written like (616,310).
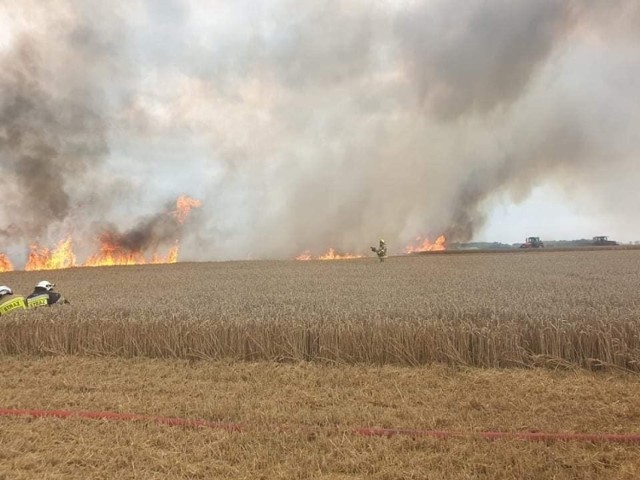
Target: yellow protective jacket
(42,298)
(12,303)
(36,301)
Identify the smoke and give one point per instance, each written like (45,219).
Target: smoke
(52,127)
(148,234)
(484,55)
(314,124)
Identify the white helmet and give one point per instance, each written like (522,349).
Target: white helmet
(48,286)
(4,290)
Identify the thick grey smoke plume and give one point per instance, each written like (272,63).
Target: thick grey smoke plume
(481,55)
(50,135)
(305,125)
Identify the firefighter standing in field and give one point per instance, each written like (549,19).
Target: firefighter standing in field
(9,302)
(381,251)
(43,295)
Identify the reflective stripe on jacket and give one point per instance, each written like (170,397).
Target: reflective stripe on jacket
(41,300)
(13,303)
(39,293)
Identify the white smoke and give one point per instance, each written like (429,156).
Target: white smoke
(304,125)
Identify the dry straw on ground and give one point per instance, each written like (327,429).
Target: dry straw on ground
(282,405)
(559,309)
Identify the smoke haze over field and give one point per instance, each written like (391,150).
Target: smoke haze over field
(305,125)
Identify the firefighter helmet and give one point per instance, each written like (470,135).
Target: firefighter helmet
(4,290)
(48,286)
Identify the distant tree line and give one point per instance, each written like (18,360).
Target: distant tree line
(582,242)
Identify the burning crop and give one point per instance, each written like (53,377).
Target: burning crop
(112,253)
(144,244)
(304,256)
(5,264)
(422,244)
(41,258)
(330,254)
(184,205)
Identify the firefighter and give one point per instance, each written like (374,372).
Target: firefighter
(381,250)
(8,302)
(43,295)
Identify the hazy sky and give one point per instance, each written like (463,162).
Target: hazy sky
(318,123)
(553,215)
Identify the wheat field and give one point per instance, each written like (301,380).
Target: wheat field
(557,309)
(300,353)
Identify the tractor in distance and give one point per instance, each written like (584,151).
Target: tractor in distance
(603,241)
(532,242)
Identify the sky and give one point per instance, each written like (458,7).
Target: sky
(304,125)
(551,215)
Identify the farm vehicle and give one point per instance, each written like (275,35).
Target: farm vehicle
(532,242)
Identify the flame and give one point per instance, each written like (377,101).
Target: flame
(304,256)
(184,205)
(171,257)
(5,264)
(111,254)
(110,251)
(331,254)
(41,258)
(424,245)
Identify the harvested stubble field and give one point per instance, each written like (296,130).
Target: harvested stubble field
(297,419)
(299,353)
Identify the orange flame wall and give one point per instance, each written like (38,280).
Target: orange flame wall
(424,245)
(109,253)
(62,256)
(5,264)
(44,259)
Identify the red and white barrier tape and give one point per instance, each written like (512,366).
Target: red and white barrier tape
(368,432)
